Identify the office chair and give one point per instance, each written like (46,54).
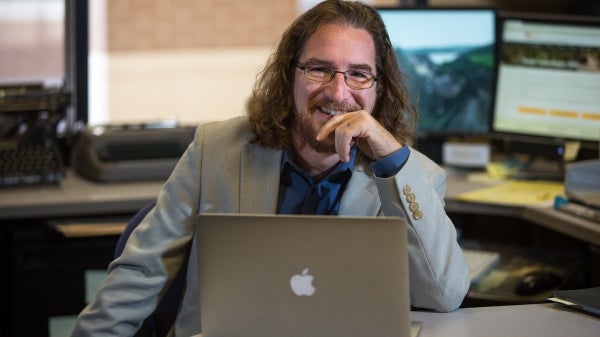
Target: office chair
(160,321)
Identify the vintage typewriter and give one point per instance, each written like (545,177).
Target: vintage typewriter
(33,98)
(30,164)
(29,153)
(120,153)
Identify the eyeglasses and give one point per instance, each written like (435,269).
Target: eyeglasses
(355,79)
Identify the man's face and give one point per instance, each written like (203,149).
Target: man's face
(339,47)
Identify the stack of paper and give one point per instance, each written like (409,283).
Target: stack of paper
(516,192)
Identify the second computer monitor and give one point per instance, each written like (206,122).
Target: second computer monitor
(548,89)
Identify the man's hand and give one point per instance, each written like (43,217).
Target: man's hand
(361,128)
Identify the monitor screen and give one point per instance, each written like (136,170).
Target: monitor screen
(548,86)
(448,57)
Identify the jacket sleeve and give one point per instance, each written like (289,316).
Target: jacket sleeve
(155,251)
(439,276)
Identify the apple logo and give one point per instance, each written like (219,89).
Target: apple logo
(302,284)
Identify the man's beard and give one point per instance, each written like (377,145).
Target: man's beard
(307,133)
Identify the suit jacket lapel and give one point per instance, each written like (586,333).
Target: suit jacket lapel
(356,199)
(260,171)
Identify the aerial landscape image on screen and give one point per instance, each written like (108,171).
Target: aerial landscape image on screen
(448,58)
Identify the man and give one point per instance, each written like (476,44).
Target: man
(326,133)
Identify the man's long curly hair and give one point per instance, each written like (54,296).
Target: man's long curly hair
(271,106)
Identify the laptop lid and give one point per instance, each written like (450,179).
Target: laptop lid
(285,275)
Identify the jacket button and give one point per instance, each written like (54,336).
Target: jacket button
(418,215)
(413,207)
(406,189)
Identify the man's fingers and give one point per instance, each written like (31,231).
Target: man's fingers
(330,126)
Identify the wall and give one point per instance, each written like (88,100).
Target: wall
(193,85)
(185,59)
(177,24)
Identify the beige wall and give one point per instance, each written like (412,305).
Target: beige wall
(194,60)
(176,24)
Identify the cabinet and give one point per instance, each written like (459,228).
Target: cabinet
(45,275)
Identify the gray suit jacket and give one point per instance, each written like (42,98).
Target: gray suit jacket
(223,172)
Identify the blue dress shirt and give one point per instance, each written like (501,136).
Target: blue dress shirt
(299,193)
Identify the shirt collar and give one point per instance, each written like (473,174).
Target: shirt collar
(340,166)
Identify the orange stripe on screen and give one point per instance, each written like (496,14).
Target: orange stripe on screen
(591,116)
(564,113)
(531,110)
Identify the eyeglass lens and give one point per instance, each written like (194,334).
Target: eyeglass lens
(355,79)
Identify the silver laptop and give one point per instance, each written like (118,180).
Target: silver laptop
(281,275)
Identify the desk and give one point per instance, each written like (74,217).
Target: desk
(586,235)
(545,216)
(75,196)
(576,227)
(547,320)
(532,320)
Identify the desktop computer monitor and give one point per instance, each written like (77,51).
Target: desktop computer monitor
(448,57)
(548,85)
